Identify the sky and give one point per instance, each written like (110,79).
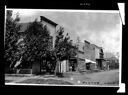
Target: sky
(100,28)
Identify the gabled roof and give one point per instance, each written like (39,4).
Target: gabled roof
(48,20)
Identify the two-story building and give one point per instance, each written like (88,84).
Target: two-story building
(51,26)
(90,56)
(80,56)
(89,52)
(99,57)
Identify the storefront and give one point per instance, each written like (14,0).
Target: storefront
(90,65)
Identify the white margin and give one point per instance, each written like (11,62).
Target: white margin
(5,25)
(61,10)
(96,11)
(58,85)
(122,18)
(121,7)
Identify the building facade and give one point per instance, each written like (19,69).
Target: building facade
(90,56)
(99,57)
(51,26)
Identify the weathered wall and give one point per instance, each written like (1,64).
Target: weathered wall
(97,53)
(89,52)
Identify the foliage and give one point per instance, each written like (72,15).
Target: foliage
(37,42)
(11,37)
(63,46)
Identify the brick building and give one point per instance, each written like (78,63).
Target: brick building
(90,56)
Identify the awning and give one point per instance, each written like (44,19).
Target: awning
(89,61)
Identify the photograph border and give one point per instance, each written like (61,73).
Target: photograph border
(121,84)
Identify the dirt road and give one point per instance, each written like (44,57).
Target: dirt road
(102,78)
(110,78)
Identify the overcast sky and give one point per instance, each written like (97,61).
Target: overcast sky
(102,29)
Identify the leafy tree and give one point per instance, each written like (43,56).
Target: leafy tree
(63,46)
(37,43)
(11,38)
(59,44)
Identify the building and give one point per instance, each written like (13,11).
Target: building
(99,57)
(81,52)
(80,56)
(51,26)
(89,51)
(87,54)
(90,56)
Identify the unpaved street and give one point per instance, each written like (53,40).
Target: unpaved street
(110,77)
(103,78)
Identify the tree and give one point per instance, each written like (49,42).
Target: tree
(37,43)
(63,46)
(64,49)
(11,38)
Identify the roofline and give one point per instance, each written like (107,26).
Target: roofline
(86,41)
(48,20)
(97,46)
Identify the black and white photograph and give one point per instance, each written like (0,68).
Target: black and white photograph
(59,47)
(62,47)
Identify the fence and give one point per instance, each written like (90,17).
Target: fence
(18,71)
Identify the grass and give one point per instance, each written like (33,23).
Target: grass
(45,81)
